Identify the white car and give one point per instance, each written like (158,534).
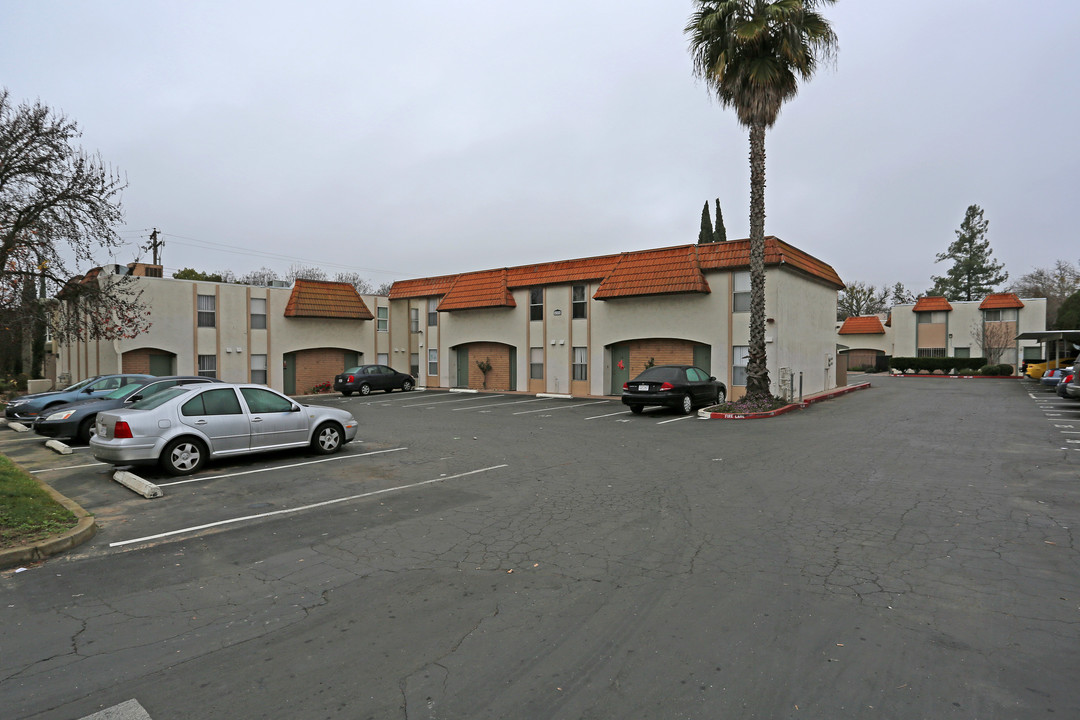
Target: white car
(183,426)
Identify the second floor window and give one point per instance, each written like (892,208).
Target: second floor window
(580,304)
(432,312)
(740,296)
(258,313)
(536,304)
(414,320)
(207,307)
(1001,315)
(382,318)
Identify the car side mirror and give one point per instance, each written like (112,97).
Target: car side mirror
(134,398)
(711,378)
(295,408)
(89,391)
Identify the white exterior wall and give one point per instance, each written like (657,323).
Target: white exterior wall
(960,321)
(801,338)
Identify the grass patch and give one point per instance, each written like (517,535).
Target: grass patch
(27,512)
(747,407)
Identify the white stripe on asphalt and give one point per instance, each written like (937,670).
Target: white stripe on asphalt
(244,518)
(560,407)
(447,402)
(596,417)
(684,417)
(511,402)
(343,456)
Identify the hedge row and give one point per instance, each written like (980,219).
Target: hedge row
(948,365)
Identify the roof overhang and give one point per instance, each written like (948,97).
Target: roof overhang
(1048,335)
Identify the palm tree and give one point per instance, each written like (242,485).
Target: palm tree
(752,53)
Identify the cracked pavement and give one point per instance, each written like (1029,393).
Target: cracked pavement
(906,552)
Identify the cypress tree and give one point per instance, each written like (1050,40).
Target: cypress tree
(705,235)
(720,233)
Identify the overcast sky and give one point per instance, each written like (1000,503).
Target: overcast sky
(403,140)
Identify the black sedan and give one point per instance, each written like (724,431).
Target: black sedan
(76,419)
(365,378)
(682,387)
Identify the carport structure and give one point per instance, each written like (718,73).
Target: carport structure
(1057,338)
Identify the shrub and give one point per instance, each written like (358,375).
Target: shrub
(323,387)
(966,371)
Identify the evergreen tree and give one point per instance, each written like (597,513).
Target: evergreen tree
(705,235)
(974,273)
(1068,315)
(720,232)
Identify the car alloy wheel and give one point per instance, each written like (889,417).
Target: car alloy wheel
(406,386)
(183,456)
(327,438)
(687,404)
(365,389)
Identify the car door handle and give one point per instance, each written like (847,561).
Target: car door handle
(200,422)
(256,419)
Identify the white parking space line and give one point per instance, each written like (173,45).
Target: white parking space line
(509,402)
(473,398)
(564,407)
(343,456)
(597,417)
(67,467)
(684,417)
(244,518)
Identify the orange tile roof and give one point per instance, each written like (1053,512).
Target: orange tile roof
(995,301)
(929,304)
(862,325)
(320,299)
(675,269)
(478,290)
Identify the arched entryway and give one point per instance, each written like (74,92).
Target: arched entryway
(629,358)
(501,359)
(151,361)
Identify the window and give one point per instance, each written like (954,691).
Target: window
(580,304)
(264,401)
(936,317)
(536,363)
(1001,315)
(930,352)
(207,306)
(536,304)
(414,320)
(740,295)
(432,361)
(382,358)
(208,366)
(414,364)
(432,312)
(581,363)
(212,402)
(258,313)
(382,318)
(739,356)
(258,369)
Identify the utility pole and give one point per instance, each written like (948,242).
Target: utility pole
(155,244)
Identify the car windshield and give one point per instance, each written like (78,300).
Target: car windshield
(81,384)
(122,392)
(662,374)
(352,371)
(160,398)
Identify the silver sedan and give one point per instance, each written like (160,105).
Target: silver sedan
(180,428)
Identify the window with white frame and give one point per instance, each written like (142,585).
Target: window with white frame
(432,362)
(208,366)
(580,365)
(536,304)
(740,354)
(1001,315)
(933,317)
(740,291)
(432,312)
(207,307)
(258,369)
(579,302)
(382,318)
(536,363)
(258,313)
(414,320)
(414,364)
(382,359)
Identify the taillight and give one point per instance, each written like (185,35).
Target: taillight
(122,430)
(626,386)
(352,378)
(1067,379)
(667,386)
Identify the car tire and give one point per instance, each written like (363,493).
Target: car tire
(328,438)
(406,386)
(83,433)
(687,404)
(365,389)
(346,393)
(721,396)
(183,456)
(637,409)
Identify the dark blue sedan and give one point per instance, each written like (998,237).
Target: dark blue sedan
(29,407)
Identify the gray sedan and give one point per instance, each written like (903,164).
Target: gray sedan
(180,428)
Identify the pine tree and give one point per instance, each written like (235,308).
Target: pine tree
(705,235)
(974,273)
(720,232)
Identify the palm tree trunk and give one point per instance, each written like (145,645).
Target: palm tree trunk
(757,371)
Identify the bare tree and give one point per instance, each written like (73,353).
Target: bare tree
(262,277)
(859,298)
(58,205)
(362,285)
(994,338)
(301,272)
(1055,284)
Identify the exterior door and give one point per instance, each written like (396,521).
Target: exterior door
(703,358)
(161,364)
(463,367)
(289,374)
(276,421)
(620,367)
(352,359)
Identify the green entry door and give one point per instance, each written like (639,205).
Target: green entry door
(463,367)
(620,367)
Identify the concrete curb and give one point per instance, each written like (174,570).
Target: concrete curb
(136,484)
(706,415)
(557,396)
(84,529)
(58,446)
(18,426)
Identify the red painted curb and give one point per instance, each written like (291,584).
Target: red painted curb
(958,377)
(787,408)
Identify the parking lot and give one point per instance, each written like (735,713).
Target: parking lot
(905,551)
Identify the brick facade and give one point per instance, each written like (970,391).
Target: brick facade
(661,351)
(136,361)
(317,366)
(498,378)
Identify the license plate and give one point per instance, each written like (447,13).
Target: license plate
(643,388)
